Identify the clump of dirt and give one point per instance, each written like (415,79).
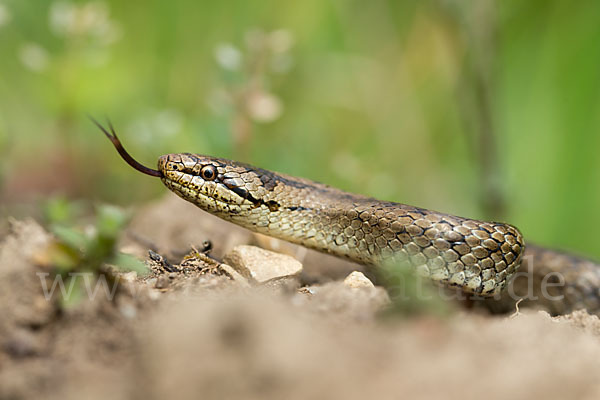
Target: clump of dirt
(44,346)
(191,330)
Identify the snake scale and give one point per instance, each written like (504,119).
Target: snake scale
(477,257)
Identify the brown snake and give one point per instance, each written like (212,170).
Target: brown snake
(477,257)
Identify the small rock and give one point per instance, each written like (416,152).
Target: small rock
(358,280)
(23,344)
(128,311)
(154,295)
(234,275)
(129,276)
(260,266)
(288,284)
(162,282)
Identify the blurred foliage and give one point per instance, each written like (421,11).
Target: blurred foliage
(59,211)
(413,295)
(486,109)
(78,250)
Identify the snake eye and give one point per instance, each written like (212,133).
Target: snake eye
(208,173)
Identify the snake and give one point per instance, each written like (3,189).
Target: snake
(474,257)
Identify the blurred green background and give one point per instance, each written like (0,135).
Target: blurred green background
(486,109)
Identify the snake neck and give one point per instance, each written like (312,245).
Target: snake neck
(477,256)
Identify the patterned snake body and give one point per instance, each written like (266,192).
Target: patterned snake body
(476,256)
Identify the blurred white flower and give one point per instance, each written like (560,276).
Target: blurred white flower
(5,15)
(33,56)
(228,56)
(255,38)
(89,19)
(281,41)
(61,16)
(264,107)
(278,41)
(264,53)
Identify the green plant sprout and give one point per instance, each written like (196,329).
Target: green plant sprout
(76,251)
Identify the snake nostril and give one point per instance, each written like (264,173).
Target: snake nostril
(169,162)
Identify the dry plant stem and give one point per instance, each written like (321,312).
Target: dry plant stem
(479,32)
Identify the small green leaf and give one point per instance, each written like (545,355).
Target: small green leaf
(71,237)
(59,210)
(64,258)
(126,262)
(110,221)
(59,257)
(411,294)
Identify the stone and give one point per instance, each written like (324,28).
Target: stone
(130,276)
(162,282)
(235,276)
(261,266)
(358,280)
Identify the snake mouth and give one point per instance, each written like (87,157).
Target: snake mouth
(211,199)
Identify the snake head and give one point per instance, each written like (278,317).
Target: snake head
(216,185)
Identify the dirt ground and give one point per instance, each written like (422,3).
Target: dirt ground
(199,334)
